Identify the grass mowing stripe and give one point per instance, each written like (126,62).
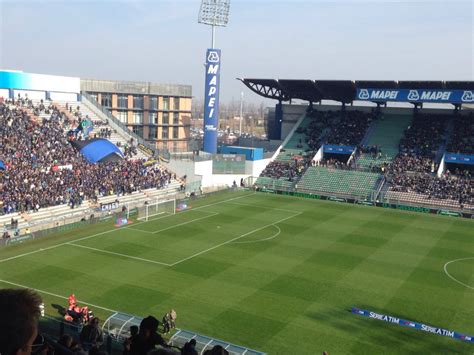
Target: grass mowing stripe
(233,239)
(260,295)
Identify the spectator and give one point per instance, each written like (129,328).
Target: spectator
(147,338)
(33,179)
(20,310)
(91,336)
(216,350)
(129,340)
(189,348)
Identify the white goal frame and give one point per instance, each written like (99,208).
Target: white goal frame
(161,207)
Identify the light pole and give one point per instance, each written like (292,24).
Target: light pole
(213,13)
(241,106)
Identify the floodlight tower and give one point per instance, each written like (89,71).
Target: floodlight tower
(213,13)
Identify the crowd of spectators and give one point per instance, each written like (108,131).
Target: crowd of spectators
(285,170)
(349,128)
(341,127)
(424,136)
(335,164)
(412,163)
(43,169)
(105,133)
(456,188)
(414,170)
(462,138)
(326,127)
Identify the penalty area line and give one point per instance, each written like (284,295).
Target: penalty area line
(118,254)
(177,225)
(112,230)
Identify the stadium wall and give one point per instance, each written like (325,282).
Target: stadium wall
(291,115)
(203,170)
(289,118)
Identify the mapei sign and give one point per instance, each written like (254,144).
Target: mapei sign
(416,95)
(211,101)
(413,325)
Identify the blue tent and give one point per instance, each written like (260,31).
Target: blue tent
(98,150)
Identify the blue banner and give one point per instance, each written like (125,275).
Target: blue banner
(211,100)
(413,325)
(416,95)
(459,158)
(338,149)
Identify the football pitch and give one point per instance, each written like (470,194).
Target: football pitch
(274,273)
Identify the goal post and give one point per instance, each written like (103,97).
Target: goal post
(158,208)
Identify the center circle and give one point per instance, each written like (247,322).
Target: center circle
(454,278)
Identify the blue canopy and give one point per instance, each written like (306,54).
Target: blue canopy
(2,165)
(99,149)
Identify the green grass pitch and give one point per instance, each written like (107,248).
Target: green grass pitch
(274,273)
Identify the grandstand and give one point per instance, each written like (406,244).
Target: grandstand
(248,270)
(385,134)
(398,155)
(358,184)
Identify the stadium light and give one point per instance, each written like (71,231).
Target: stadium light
(214,13)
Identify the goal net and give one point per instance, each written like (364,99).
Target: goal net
(154,209)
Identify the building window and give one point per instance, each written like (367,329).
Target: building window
(106,100)
(138,117)
(166,103)
(138,102)
(164,132)
(166,118)
(94,95)
(175,118)
(122,116)
(175,133)
(153,117)
(176,104)
(138,130)
(122,101)
(153,103)
(153,133)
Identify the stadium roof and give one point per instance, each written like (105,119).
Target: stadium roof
(339,90)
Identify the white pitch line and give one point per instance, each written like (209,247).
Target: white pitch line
(57,245)
(177,225)
(260,240)
(453,278)
(119,254)
(58,296)
(233,239)
(111,230)
(263,207)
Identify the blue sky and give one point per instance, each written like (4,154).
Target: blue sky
(161,41)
